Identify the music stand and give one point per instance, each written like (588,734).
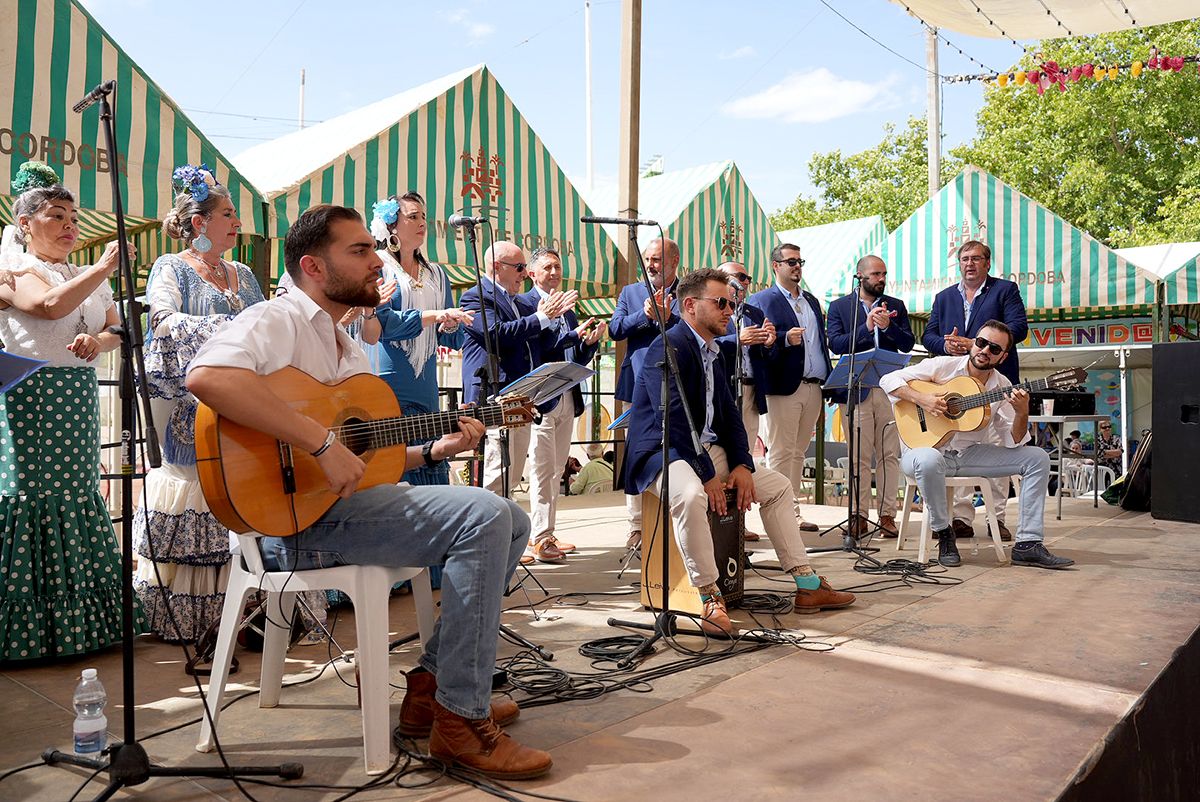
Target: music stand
(853,372)
(548,381)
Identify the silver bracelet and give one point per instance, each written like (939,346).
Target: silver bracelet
(329,440)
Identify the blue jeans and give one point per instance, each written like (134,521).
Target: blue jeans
(478,535)
(930,467)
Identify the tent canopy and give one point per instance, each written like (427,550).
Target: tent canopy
(1063,272)
(1046,19)
(55,53)
(462,144)
(831,252)
(1176,263)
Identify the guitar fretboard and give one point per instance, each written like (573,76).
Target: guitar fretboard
(416,428)
(992,396)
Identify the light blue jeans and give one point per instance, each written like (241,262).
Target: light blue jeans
(478,535)
(930,467)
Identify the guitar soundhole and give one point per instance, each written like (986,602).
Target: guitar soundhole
(357,438)
(953,412)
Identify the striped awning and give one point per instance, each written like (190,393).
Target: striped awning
(459,141)
(1059,268)
(709,211)
(831,252)
(54,52)
(1176,263)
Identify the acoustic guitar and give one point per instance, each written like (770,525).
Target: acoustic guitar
(254,482)
(968,406)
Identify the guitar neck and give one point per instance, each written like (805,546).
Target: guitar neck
(404,429)
(992,396)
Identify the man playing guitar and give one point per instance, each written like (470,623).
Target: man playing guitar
(996,449)
(480,536)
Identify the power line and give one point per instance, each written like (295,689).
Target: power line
(261,50)
(249,116)
(921,67)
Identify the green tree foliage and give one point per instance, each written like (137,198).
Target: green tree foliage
(1120,159)
(890,179)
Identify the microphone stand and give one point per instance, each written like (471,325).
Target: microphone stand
(664,622)
(128,764)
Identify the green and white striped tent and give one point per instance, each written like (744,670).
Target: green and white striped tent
(1063,272)
(709,211)
(1177,264)
(831,252)
(54,53)
(459,141)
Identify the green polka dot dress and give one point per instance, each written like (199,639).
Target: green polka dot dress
(61,592)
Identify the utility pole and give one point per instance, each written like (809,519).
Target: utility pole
(628,136)
(933,111)
(302,98)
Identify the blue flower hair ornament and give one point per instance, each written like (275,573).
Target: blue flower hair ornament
(194,180)
(383,214)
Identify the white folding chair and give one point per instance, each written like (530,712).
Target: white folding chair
(368,587)
(910,489)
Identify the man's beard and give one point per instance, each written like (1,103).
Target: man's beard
(341,290)
(873,291)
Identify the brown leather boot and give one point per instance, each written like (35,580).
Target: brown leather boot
(823,598)
(416,711)
(479,745)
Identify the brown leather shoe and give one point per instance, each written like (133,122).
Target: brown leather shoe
(416,711)
(888,524)
(480,745)
(962,528)
(823,598)
(716,618)
(751,537)
(547,551)
(805,526)
(857,526)
(527,559)
(565,548)
(1005,535)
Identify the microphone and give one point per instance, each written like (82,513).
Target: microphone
(738,289)
(617,221)
(94,96)
(460,220)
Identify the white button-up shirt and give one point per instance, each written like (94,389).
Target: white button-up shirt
(814,364)
(708,355)
(941,369)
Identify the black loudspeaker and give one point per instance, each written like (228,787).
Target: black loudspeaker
(1176,416)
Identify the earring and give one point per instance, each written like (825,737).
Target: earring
(393,243)
(201,243)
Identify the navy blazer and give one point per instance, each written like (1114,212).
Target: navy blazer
(897,336)
(629,321)
(758,356)
(554,345)
(516,335)
(1000,299)
(785,363)
(644,441)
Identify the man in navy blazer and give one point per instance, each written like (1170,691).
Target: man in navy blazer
(550,438)
(517,327)
(635,320)
(957,315)
(883,324)
(796,367)
(714,456)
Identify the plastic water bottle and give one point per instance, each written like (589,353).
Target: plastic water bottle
(91,725)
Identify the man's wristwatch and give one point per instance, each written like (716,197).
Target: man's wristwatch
(427,453)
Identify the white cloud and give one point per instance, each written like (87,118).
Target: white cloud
(746,51)
(476,31)
(813,96)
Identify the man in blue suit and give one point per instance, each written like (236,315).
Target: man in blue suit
(796,367)
(705,461)
(550,438)
(883,324)
(517,327)
(957,315)
(635,320)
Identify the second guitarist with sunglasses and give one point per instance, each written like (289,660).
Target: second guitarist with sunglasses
(1000,448)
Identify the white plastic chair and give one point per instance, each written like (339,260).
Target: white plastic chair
(368,587)
(984,486)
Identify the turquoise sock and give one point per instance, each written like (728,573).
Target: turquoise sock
(807,582)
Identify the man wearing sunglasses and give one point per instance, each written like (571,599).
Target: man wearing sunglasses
(518,328)
(883,324)
(958,314)
(796,367)
(636,321)
(998,449)
(700,476)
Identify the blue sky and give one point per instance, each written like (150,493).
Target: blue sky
(766,84)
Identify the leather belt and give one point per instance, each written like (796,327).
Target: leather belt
(810,380)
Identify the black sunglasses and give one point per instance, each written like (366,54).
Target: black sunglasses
(518,266)
(744,278)
(722,303)
(790,262)
(996,350)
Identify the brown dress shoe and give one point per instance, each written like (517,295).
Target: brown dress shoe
(526,559)
(565,548)
(962,528)
(751,537)
(823,598)
(1005,535)
(716,618)
(857,526)
(480,745)
(805,526)
(416,711)
(547,551)
(888,524)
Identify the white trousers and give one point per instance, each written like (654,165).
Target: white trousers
(750,416)
(689,514)
(789,430)
(875,438)
(518,447)
(549,445)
